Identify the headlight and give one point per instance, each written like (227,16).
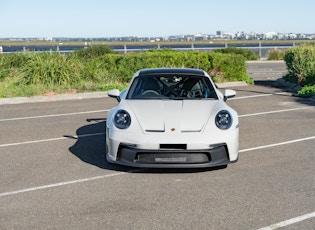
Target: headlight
(223,119)
(122,119)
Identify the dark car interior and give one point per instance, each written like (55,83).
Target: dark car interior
(170,86)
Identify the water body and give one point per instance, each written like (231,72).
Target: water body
(9,49)
(145,47)
(260,49)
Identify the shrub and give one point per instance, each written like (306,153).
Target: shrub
(50,69)
(247,54)
(307,91)
(3,67)
(41,72)
(222,67)
(300,61)
(122,67)
(10,63)
(228,67)
(93,51)
(276,55)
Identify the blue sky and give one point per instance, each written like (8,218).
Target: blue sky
(116,18)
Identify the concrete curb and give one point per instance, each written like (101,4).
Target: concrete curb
(266,61)
(79,96)
(58,97)
(231,84)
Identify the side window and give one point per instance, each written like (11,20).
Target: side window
(134,88)
(209,91)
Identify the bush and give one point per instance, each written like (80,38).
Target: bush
(228,67)
(300,61)
(50,69)
(93,51)
(222,67)
(90,71)
(276,55)
(307,91)
(10,63)
(247,54)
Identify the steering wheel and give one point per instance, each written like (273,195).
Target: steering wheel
(149,91)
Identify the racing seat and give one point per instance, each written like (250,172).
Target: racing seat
(150,86)
(191,88)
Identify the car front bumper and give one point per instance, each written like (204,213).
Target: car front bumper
(188,150)
(173,158)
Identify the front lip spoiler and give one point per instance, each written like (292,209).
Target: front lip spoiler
(179,166)
(128,157)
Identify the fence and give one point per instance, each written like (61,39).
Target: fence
(260,49)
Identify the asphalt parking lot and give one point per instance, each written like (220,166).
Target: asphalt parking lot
(54,174)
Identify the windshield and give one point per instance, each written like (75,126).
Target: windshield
(170,86)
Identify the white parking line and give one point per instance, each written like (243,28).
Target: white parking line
(53,115)
(51,139)
(277,144)
(275,111)
(252,96)
(61,184)
(289,222)
(261,95)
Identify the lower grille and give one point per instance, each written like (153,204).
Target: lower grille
(171,158)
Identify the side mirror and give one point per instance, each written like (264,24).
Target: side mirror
(114,93)
(228,93)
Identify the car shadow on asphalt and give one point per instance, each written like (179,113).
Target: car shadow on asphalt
(267,84)
(273,84)
(90,148)
(291,92)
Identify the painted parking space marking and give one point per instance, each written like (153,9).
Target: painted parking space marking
(53,115)
(261,95)
(274,111)
(51,139)
(252,96)
(289,222)
(61,184)
(277,144)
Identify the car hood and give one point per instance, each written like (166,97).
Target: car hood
(173,115)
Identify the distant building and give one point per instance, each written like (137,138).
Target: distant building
(292,36)
(270,35)
(201,37)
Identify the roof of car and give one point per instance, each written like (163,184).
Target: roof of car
(171,71)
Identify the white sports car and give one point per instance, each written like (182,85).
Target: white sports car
(172,118)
